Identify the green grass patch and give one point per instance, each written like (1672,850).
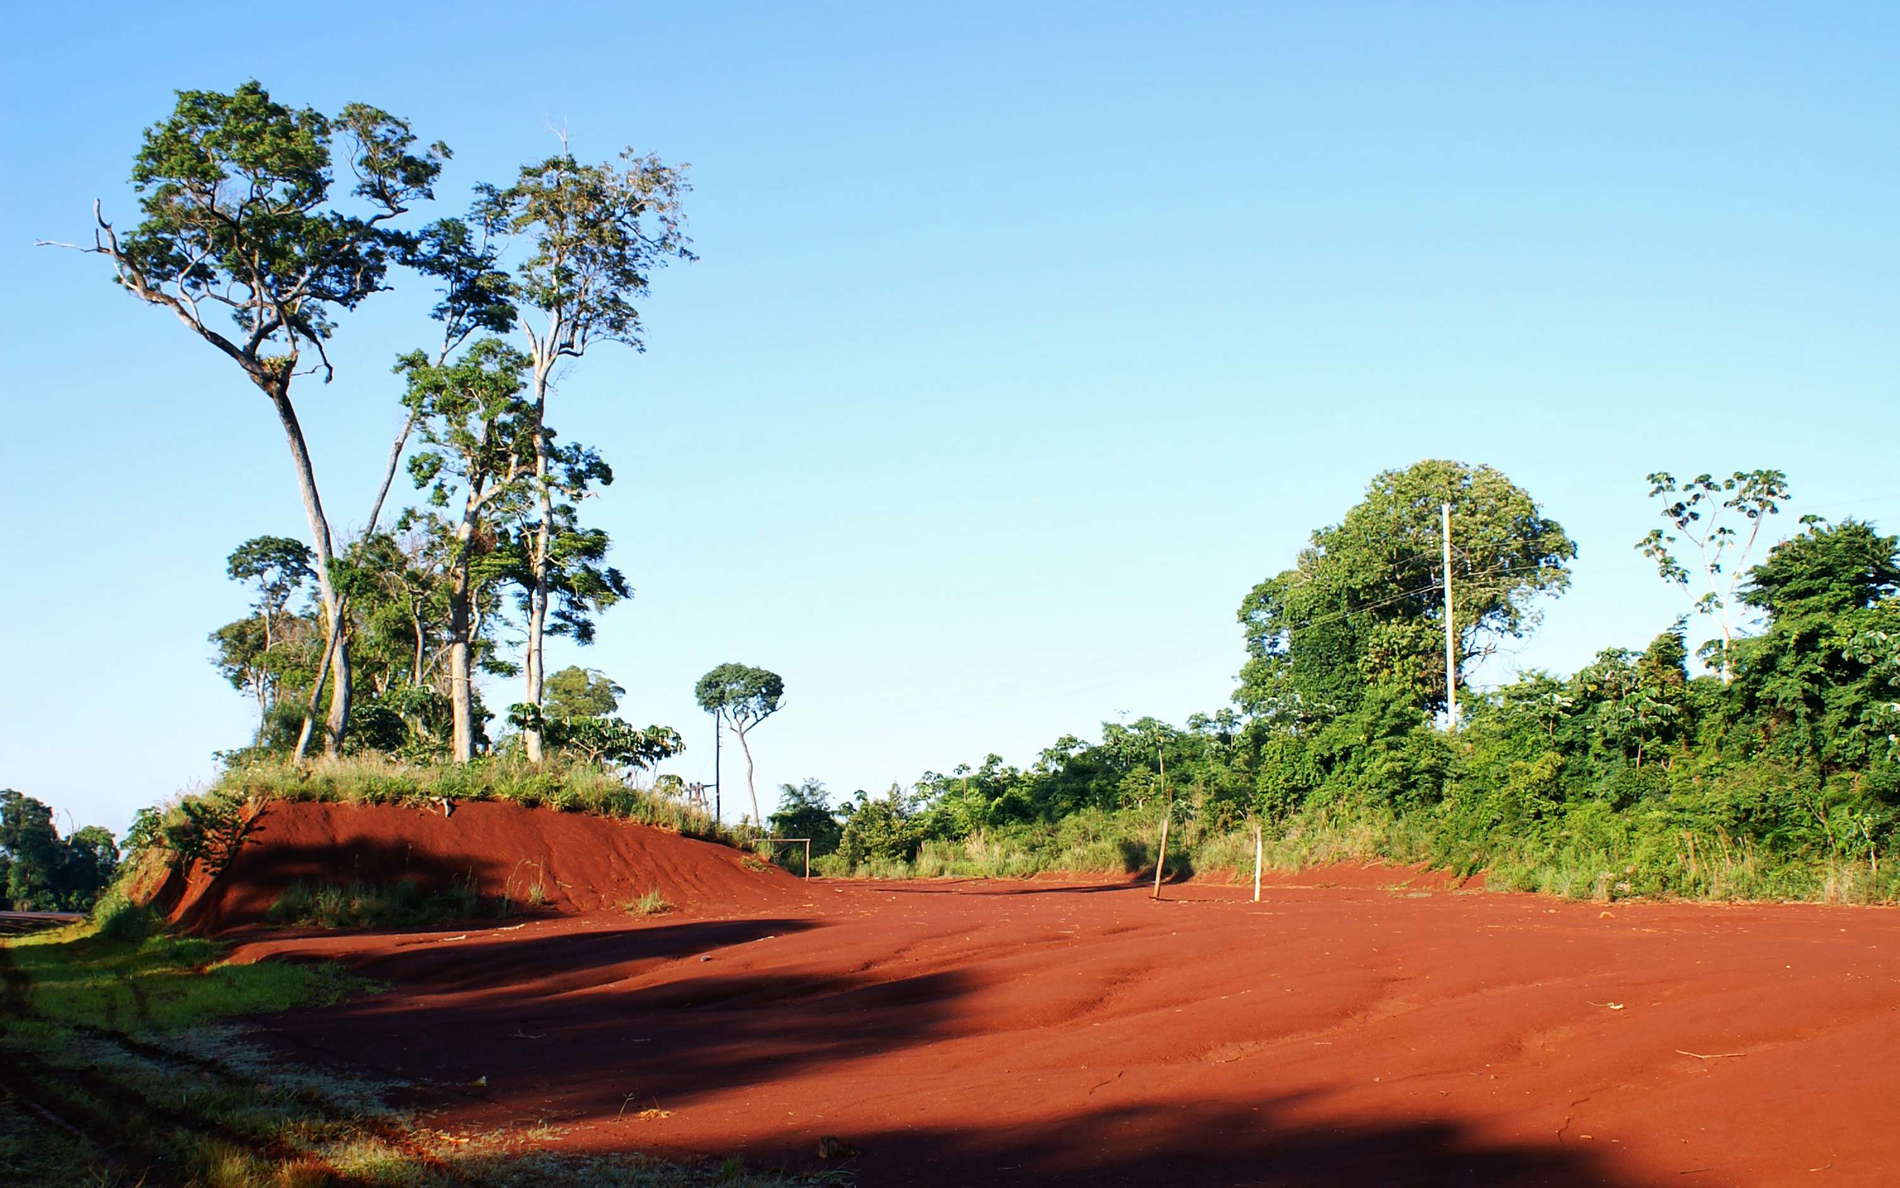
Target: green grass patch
(161,983)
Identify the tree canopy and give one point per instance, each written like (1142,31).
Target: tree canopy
(42,872)
(1364,602)
(741,696)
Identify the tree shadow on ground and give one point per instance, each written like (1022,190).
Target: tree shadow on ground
(582,1027)
(1201,1143)
(574,1023)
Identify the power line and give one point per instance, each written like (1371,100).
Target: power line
(1432,588)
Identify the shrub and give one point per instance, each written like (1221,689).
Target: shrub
(116,917)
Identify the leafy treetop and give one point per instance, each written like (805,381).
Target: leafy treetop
(741,695)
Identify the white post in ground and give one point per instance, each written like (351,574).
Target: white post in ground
(1256,861)
(1161,859)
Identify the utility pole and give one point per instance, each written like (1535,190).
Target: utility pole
(717,789)
(1167,812)
(1451,636)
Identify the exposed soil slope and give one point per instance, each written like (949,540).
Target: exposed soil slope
(1028,1033)
(568,862)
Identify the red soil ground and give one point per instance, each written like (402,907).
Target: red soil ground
(1356,1027)
(568,862)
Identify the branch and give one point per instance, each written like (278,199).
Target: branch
(133,279)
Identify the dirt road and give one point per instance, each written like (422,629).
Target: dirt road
(991,1032)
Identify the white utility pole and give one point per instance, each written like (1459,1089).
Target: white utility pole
(1451,637)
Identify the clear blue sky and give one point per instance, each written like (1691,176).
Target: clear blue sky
(1023,342)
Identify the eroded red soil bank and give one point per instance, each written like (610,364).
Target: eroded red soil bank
(558,862)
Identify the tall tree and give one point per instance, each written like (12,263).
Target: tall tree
(594,235)
(479,440)
(239,221)
(742,696)
(474,298)
(1364,604)
(1702,512)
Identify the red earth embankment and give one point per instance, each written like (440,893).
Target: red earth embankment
(562,862)
(1030,1033)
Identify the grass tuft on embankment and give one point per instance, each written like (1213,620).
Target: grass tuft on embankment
(562,784)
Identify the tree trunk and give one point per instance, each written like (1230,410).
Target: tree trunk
(757,820)
(333,640)
(543,542)
(462,743)
(415,667)
(537,628)
(339,665)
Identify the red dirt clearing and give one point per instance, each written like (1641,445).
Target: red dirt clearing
(565,862)
(966,1033)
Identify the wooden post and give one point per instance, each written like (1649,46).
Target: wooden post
(1161,860)
(1256,862)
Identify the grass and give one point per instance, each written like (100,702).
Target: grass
(564,785)
(1588,853)
(122,1063)
(378,905)
(652,903)
(77,976)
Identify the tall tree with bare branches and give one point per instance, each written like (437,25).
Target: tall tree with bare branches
(244,242)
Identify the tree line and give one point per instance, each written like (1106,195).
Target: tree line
(40,871)
(1759,765)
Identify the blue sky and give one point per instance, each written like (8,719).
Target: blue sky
(1025,339)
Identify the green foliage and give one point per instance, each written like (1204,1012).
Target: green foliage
(576,692)
(804,810)
(611,742)
(1700,514)
(743,696)
(1629,777)
(115,917)
(1364,605)
(209,828)
(39,870)
(879,830)
(158,983)
(594,235)
(235,192)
